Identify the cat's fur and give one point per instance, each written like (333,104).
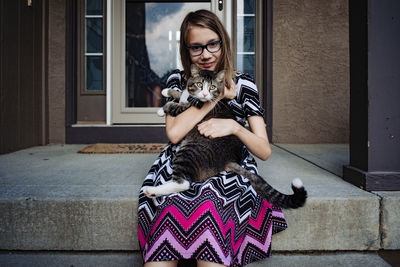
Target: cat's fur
(194,88)
(199,157)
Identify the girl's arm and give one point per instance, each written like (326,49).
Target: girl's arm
(255,140)
(177,127)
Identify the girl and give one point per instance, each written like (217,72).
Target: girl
(221,222)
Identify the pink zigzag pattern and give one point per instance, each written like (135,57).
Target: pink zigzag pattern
(186,233)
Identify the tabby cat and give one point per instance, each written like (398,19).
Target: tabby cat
(199,157)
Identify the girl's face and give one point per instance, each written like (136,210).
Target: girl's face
(199,36)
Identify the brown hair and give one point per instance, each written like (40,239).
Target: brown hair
(207,19)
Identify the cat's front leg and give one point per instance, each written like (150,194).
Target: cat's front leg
(169,92)
(168,188)
(174,109)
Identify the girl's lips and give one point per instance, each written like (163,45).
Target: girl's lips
(207,65)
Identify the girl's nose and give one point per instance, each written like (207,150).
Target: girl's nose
(205,54)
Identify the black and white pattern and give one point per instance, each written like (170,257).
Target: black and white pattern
(222,219)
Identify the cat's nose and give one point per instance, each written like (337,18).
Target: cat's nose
(205,93)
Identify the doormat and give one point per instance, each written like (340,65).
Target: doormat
(122,148)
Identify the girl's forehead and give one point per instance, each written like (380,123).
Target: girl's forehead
(197,34)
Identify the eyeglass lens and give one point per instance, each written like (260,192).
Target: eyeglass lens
(212,47)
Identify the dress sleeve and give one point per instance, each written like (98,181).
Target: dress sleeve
(174,82)
(248,96)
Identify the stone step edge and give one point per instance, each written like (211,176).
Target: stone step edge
(112,225)
(134,259)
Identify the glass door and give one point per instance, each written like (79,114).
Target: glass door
(152,48)
(149,38)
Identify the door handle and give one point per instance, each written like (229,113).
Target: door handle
(220,5)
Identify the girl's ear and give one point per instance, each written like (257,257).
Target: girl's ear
(194,70)
(220,76)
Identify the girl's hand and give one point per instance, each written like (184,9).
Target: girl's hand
(230,93)
(214,128)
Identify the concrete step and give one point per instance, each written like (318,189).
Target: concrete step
(107,259)
(330,157)
(52,198)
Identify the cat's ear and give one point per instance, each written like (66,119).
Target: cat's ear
(194,70)
(220,76)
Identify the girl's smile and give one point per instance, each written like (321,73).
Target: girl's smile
(201,36)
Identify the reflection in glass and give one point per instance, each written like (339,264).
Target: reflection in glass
(94,35)
(94,7)
(246,63)
(245,34)
(94,73)
(94,45)
(152,48)
(245,6)
(249,7)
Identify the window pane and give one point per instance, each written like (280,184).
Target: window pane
(152,47)
(248,34)
(245,34)
(94,35)
(94,73)
(245,6)
(246,64)
(249,6)
(94,7)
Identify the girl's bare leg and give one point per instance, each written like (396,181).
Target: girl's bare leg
(161,264)
(201,263)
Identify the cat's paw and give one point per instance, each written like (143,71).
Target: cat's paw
(165,92)
(160,112)
(150,191)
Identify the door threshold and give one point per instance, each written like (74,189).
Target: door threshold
(78,125)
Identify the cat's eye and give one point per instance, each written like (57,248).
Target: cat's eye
(213,87)
(199,84)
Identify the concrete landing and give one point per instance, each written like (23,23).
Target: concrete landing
(52,198)
(331,157)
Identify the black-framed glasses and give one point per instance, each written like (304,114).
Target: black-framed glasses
(197,50)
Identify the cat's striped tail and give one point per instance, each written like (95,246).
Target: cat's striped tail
(265,190)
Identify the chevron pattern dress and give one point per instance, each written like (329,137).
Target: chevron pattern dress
(221,220)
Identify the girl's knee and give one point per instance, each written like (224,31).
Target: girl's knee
(201,263)
(161,264)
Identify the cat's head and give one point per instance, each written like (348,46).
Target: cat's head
(205,85)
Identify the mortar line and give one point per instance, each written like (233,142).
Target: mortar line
(380,218)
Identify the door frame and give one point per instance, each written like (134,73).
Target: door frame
(155,133)
(264,48)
